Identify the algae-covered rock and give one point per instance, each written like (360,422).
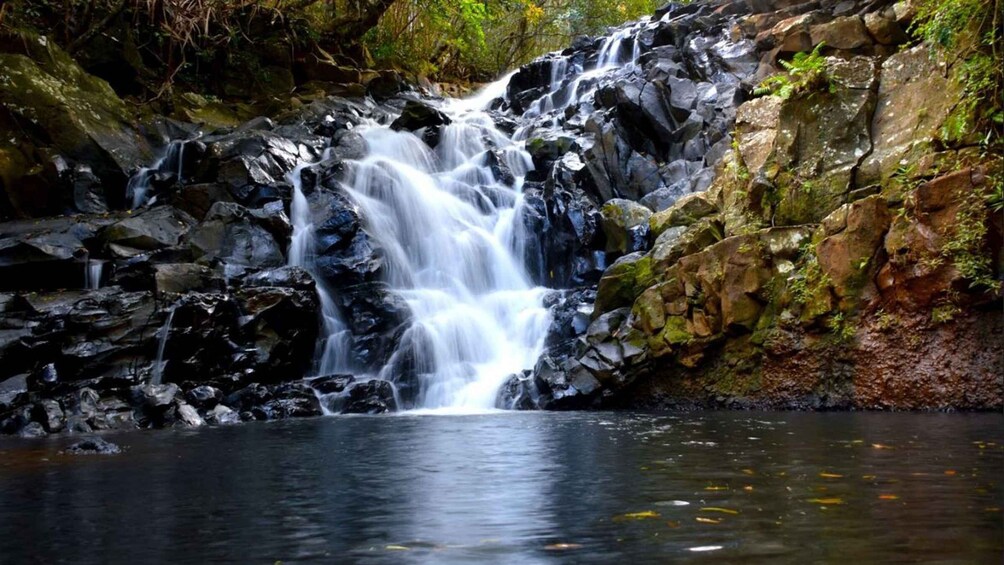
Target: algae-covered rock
(623,281)
(57,104)
(684,212)
(626,225)
(849,239)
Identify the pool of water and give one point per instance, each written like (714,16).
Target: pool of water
(519,488)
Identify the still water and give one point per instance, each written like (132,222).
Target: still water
(519,488)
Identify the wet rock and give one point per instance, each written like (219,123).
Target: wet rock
(48,413)
(623,281)
(626,225)
(93,446)
(155,228)
(346,254)
(235,235)
(518,393)
(417,115)
(178,278)
(32,430)
(377,317)
(220,415)
(155,397)
(848,32)
(204,397)
(370,397)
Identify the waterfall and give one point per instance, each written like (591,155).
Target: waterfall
(335,343)
(163,333)
(140,184)
(93,270)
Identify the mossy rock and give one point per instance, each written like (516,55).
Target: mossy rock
(622,282)
(56,104)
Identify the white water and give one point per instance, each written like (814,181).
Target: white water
(158,364)
(138,189)
(446,225)
(93,270)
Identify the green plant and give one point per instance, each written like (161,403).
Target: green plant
(966,244)
(806,72)
(840,327)
(969,31)
(885,321)
(944,313)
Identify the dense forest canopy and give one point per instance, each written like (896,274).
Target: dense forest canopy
(168,40)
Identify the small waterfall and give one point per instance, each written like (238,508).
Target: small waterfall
(163,333)
(93,269)
(173,162)
(335,343)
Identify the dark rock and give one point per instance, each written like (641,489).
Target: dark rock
(417,115)
(204,397)
(93,446)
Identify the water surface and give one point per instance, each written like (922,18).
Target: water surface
(519,488)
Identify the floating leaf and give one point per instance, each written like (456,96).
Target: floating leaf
(644,515)
(748,471)
(888,497)
(718,509)
(397,548)
(880,446)
(708,520)
(950,473)
(869,477)
(705,548)
(833,500)
(748,488)
(716,488)
(831,476)
(562,546)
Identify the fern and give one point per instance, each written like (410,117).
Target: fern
(806,72)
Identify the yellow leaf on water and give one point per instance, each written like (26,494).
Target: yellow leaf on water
(868,477)
(561,546)
(888,497)
(716,488)
(831,476)
(718,509)
(748,471)
(708,520)
(748,488)
(880,446)
(636,516)
(827,500)
(397,548)
(950,473)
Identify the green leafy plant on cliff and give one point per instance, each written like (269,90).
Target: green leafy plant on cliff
(966,245)
(969,33)
(806,72)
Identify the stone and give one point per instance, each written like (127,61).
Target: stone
(417,115)
(853,235)
(626,225)
(623,281)
(847,32)
(154,228)
(220,415)
(48,413)
(93,446)
(686,211)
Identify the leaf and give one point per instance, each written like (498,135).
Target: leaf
(708,520)
(880,446)
(888,497)
(718,509)
(831,476)
(950,473)
(644,515)
(827,501)
(716,488)
(397,548)
(562,546)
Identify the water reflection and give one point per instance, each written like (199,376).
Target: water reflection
(519,488)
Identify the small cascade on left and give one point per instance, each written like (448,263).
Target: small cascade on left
(157,376)
(141,184)
(93,271)
(334,346)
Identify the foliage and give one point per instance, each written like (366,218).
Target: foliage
(967,244)
(969,31)
(806,72)
(480,39)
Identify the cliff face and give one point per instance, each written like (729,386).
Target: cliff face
(843,256)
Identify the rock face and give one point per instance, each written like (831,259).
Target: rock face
(831,224)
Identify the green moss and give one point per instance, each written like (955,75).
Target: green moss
(966,245)
(675,331)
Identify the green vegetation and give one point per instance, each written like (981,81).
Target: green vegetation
(806,72)
(191,41)
(969,31)
(479,39)
(966,245)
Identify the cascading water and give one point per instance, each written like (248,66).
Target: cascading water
(165,331)
(93,270)
(445,221)
(139,186)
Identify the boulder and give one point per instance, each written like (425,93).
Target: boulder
(154,228)
(686,211)
(626,225)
